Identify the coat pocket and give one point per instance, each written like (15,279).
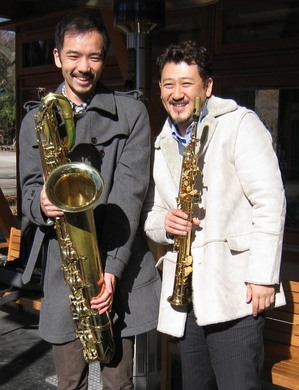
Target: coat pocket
(170,257)
(239,243)
(171,319)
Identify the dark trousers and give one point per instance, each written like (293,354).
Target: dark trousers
(225,356)
(118,374)
(72,369)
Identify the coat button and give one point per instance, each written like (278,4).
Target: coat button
(93,140)
(102,153)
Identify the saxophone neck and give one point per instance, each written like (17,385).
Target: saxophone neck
(67,115)
(197,109)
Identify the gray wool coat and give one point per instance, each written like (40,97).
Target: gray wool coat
(114,137)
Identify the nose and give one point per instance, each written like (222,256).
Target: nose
(177,93)
(83,65)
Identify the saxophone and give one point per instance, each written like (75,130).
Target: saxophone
(75,188)
(187,197)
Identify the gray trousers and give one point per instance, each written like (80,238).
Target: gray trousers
(225,356)
(72,369)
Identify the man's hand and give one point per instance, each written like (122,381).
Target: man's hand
(103,302)
(47,207)
(260,296)
(176,223)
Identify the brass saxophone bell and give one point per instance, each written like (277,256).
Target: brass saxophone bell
(74,187)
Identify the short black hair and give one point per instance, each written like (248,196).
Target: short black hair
(190,52)
(77,24)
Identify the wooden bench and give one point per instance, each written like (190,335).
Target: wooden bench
(281,337)
(14,244)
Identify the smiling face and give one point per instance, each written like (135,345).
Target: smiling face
(81,61)
(180,84)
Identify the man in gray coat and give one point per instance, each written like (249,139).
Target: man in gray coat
(113,135)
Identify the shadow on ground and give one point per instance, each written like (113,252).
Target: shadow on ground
(25,359)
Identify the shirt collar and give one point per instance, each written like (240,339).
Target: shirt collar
(184,140)
(78,109)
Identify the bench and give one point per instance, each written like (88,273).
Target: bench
(14,244)
(281,336)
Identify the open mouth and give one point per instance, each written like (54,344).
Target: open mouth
(83,79)
(179,107)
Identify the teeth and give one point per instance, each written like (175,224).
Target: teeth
(83,78)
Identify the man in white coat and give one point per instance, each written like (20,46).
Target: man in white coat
(237,227)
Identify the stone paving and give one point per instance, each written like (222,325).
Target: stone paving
(8,172)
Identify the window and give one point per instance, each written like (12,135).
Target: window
(37,53)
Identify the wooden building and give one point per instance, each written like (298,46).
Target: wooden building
(255,50)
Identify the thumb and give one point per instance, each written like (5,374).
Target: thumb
(248,294)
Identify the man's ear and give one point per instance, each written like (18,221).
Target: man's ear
(57,58)
(209,87)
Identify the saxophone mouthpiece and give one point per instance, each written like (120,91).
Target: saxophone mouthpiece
(41,92)
(197,107)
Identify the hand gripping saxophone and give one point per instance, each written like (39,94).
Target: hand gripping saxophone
(188,196)
(75,188)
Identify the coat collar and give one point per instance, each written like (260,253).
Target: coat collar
(216,108)
(170,151)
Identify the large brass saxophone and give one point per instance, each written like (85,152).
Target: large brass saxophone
(188,196)
(75,188)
